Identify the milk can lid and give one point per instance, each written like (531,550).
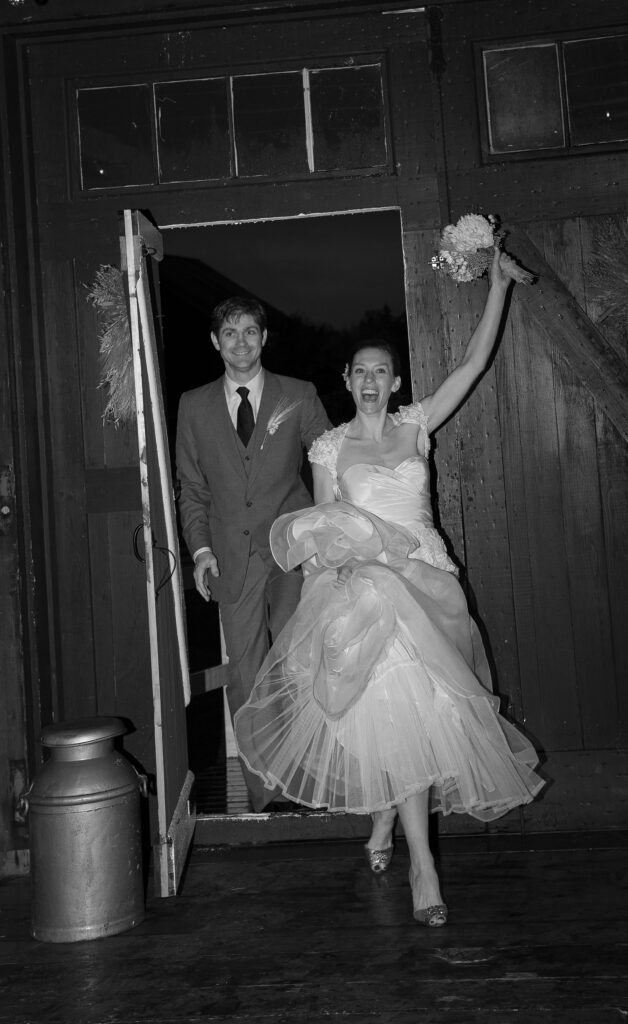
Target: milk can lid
(82,730)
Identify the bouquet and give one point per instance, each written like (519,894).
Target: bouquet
(467,248)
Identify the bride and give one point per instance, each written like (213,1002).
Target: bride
(377,694)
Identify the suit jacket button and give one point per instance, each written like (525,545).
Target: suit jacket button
(246,532)
(248,504)
(247,458)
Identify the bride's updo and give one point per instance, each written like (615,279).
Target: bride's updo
(381,343)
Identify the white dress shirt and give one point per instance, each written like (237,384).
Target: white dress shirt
(255,387)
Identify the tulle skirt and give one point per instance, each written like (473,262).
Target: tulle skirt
(378,687)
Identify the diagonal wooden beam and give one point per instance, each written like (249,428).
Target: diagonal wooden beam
(558,316)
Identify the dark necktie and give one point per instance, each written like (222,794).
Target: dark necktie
(245,421)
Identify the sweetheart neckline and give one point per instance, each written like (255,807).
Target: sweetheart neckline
(377,465)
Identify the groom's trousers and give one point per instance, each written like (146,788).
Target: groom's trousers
(268,599)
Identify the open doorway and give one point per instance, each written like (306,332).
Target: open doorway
(325,281)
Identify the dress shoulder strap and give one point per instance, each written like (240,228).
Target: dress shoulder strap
(324,451)
(414,414)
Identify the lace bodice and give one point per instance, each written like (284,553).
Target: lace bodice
(400,495)
(324,451)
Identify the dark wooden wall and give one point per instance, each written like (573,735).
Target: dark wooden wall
(537,507)
(531,474)
(533,485)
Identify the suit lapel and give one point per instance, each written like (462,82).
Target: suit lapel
(270,396)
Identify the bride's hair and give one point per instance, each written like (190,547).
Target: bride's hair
(381,343)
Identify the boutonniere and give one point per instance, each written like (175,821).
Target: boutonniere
(280,413)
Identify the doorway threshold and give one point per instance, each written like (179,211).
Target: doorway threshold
(224,814)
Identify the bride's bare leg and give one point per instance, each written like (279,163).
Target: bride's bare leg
(379,848)
(413,813)
(381,832)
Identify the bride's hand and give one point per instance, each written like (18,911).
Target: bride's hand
(504,270)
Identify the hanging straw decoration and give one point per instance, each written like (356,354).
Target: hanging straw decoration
(609,272)
(116,355)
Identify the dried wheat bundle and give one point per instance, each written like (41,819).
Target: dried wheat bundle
(116,355)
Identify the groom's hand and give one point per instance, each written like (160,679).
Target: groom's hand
(346,570)
(206,565)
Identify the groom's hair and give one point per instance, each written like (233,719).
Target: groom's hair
(232,309)
(381,343)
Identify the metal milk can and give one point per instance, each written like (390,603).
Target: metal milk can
(85,835)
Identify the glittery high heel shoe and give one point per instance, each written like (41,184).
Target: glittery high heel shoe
(434,916)
(379,860)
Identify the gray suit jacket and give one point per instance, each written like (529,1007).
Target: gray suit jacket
(231,495)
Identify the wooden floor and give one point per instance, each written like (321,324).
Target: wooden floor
(301,932)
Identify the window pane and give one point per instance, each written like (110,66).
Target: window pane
(269,122)
(115,136)
(348,118)
(523,99)
(597,89)
(192,130)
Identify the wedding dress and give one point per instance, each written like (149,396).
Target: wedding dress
(379,687)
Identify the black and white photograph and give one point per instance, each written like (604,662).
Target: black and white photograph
(314,512)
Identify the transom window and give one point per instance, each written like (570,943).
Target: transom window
(283,124)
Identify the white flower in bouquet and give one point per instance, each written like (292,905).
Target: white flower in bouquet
(470,233)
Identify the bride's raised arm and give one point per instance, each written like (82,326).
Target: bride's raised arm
(455,388)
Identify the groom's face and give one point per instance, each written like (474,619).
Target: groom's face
(240,342)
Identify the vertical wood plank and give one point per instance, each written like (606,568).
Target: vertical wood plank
(484,500)
(613,468)
(583,519)
(612,464)
(541,585)
(13,765)
(70,570)
(594,234)
(586,562)
(94,397)
(103,590)
(519,545)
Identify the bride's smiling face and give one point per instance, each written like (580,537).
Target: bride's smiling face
(372,379)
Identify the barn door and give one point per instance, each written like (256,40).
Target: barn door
(156,543)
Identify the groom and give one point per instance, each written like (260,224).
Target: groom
(240,442)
